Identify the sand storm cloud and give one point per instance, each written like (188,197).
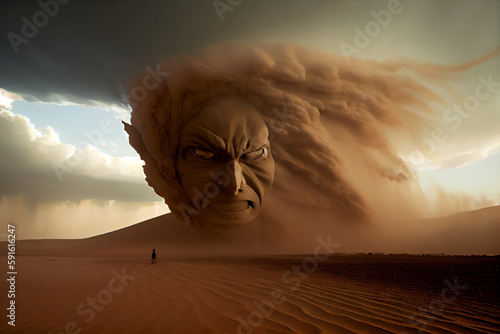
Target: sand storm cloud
(337,128)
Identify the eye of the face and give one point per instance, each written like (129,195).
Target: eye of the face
(202,154)
(254,155)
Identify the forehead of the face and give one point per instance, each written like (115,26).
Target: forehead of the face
(228,124)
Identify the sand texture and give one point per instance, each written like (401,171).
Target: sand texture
(343,294)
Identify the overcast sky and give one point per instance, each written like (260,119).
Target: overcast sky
(66,167)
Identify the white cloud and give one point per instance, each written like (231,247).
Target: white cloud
(36,165)
(457,158)
(98,193)
(5,99)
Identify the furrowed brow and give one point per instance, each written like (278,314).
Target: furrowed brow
(210,138)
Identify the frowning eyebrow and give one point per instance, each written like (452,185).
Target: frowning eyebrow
(208,137)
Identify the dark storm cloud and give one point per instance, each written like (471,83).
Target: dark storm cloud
(88,50)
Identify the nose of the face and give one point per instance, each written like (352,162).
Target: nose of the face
(236,180)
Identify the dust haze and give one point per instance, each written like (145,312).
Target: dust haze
(338,129)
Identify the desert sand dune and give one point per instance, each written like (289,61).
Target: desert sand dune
(217,294)
(106,284)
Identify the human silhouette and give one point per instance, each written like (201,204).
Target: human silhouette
(153,257)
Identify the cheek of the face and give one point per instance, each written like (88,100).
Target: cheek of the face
(200,181)
(259,174)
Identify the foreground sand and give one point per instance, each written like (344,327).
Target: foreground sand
(343,294)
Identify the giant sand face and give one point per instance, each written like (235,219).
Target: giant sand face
(343,133)
(224,162)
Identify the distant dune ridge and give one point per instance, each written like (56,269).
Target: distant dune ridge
(475,232)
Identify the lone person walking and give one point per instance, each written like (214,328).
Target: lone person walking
(153,257)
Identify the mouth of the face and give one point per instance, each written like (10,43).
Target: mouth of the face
(233,211)
(232,207)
